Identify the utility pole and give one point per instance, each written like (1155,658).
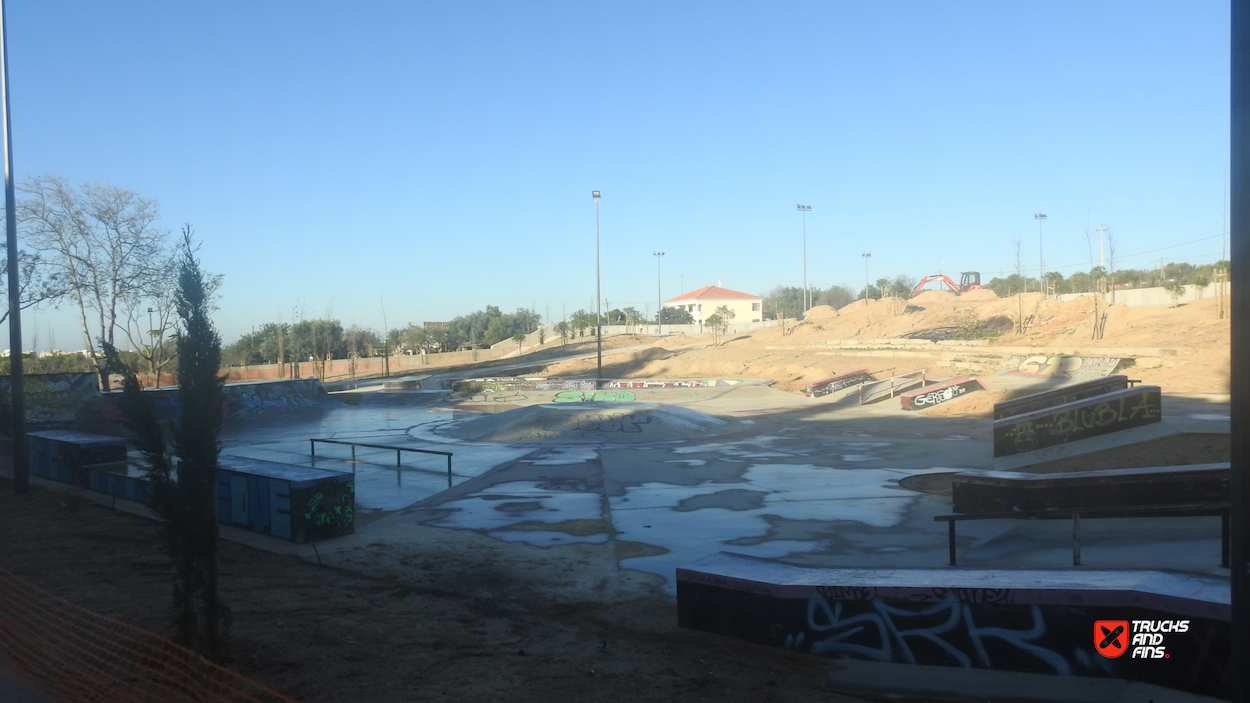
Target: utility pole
(659,299)
(1101,229)
(17,388)
(1041,261)
(598,310)
(807,301)
(1239,385)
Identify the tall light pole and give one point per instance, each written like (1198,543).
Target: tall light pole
(1041,262)
(866,258)
(598,300)
(803,210)
(659,299)
(17,392)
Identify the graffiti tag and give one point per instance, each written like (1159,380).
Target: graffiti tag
(601,397)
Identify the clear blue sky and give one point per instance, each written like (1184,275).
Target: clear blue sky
(440,156)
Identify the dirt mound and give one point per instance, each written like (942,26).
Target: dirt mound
(978,295)
(821,312)
(936,297)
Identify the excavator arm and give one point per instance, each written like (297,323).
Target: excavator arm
(945,280)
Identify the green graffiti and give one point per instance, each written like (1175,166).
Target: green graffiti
(597,396)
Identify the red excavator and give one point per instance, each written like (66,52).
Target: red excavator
(968,280)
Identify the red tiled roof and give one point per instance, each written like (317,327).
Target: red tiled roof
(713,293)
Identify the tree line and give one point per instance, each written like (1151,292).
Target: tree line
(1171,276)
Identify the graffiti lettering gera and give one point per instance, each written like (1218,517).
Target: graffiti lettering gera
(928,397)
(600,397)
(1088,417)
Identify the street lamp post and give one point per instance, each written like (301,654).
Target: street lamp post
(659,299)
(866,258)
(807,298)
(1041,262)
(598,300)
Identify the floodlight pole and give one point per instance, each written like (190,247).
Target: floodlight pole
(1239,240)
(866,257)
(17,389)
(598,301)
(807,297)
(1041,262)
(659,299)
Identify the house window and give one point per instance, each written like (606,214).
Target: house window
(755,307)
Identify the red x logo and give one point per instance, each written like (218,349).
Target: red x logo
(1111,637)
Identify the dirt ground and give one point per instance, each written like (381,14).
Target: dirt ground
(323,634)
(1192,341)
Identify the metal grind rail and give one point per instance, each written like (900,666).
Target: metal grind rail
(398,453)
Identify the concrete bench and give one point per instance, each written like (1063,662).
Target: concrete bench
(1190,510)
(978,491)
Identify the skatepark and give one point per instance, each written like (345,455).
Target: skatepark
(767,510)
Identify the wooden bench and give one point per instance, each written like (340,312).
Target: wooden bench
(1180,510)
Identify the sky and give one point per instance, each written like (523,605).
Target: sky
(394,162)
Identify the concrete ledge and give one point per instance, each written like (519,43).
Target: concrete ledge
(951,685)
(1034,621)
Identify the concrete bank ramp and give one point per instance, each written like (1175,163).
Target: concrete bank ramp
(589,422)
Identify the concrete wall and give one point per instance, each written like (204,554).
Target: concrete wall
(349,369)
(1151,297)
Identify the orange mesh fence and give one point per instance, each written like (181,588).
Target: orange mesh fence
(71,654)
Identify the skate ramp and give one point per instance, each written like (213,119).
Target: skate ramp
(588,422)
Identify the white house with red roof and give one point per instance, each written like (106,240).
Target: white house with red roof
(702,304)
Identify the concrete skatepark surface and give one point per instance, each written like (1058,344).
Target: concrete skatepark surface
(607,499)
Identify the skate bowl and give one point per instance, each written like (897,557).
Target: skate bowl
(588,423)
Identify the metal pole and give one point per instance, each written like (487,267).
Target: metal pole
(1041,262)
(1239,240)
(449,471)
(807,303)
(598,311)
(659,299)
(17,388)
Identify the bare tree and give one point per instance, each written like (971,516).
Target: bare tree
(1112,245)
(37,283)
(102,241)
(149,313)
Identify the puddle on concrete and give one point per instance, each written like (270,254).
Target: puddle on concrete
(515,510)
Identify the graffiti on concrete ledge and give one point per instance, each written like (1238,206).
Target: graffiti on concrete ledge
(923,398)
(1088,417)
(946,632)
(1060,366)
(599,397)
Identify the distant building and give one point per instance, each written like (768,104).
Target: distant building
(702,304)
